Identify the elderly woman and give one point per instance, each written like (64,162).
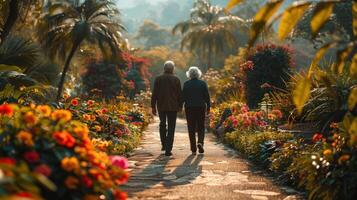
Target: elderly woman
(197,103)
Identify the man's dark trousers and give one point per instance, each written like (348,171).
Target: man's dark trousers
(167,134)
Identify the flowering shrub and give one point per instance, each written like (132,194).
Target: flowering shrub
(269,64)
(114,127)
(330,171)
(57,155)
(241,118)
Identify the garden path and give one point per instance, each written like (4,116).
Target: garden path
(218,174)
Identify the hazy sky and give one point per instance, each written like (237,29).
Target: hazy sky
(130,3)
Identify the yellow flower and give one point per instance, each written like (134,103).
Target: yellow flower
(70,164)
(327,152)
(45,110)
(64,115)
(71,182)
(25,138)
(30,118)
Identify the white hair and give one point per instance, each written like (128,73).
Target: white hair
(193,72)
(169,66)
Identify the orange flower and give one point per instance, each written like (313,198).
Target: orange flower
(63,115)
(119,195)
(81,131)
(30,118)
(6,110)
(45,110)
(70,164)
(92,118)
(343,159)
(327,152)
(98,128)
(71,182)
(64,138)
(86,117)
(90,197)
(25,138)
(74,102)
(65,96)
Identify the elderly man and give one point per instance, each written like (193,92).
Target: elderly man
(167,100)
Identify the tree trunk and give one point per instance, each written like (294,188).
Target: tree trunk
(65,69)
(11,19)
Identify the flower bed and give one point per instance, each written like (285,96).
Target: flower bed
(114,127)
(45,153)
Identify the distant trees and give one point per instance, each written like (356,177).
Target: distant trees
(209,31)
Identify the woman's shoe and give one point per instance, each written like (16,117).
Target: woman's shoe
(168,154)
(200,148)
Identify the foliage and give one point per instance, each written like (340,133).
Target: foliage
(57,151)
(209,30)
(68,24)
(271,65)
(250,143)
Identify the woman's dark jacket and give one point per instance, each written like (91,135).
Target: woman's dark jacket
(195,94)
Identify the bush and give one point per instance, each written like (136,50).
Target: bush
(249,143)
(271,65)
(56,154)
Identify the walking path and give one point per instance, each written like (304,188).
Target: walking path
(218,174)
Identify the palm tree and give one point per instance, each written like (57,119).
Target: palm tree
(68,24)
(209,30)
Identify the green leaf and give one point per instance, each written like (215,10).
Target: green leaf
(290,18)
(352,100)
(301,93)
(45,181)
(261,19)
(233,3)
(354,13)
(353,67)
(318,56)
(320,16)
(342,55)
(10,68)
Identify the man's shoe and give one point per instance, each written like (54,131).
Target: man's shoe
(200,148)
(168,154)
(194,153)
(162,148)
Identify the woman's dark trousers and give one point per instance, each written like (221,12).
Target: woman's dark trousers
(167,134)
(196,123)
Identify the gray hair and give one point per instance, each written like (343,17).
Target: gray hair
(169,66)
(193,72)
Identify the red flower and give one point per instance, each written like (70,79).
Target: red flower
(90,102)
(87,181)
(104,110)
(74,102)
(32,156)
(317,137)
(6,110)
(43,169)
(123,179)
(64,138)
(7,161)
(119,195)
(24,195)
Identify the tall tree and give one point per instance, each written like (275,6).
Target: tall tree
(68,24)
(209,30)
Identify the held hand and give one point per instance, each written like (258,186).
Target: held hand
(154,111)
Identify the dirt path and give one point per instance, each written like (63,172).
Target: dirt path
(218,174)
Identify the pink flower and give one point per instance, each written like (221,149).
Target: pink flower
(120,161)
(244,109)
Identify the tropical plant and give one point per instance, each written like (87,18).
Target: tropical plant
(68,24)
(209,30)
